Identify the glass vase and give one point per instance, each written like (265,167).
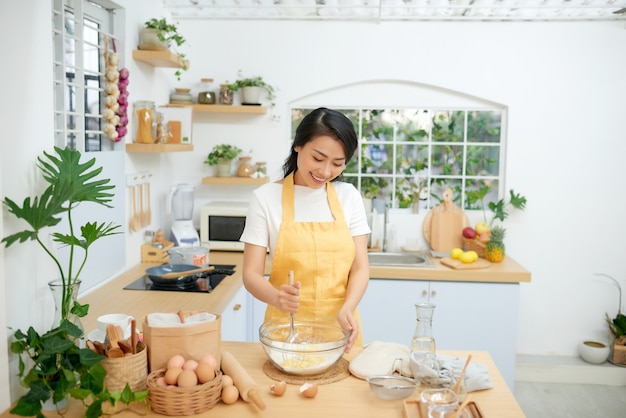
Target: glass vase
(64,298)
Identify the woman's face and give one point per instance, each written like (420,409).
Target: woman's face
(319,161)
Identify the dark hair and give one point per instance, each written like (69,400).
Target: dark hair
(322,122)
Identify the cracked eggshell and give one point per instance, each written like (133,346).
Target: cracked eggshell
(309,390)
(278,389)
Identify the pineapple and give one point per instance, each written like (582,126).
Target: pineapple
(495,247)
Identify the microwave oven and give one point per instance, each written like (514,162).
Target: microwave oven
(221,225)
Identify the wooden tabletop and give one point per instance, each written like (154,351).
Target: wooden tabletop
(350,397)
(347,398)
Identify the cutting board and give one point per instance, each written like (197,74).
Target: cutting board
(457,264)
(443,225)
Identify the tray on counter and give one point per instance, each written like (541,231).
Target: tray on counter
(411,409)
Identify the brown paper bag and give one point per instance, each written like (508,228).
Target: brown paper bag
(191,341)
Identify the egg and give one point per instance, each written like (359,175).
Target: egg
(278,389)
(210,359)
(227,380)
(309,390)
(230,394)
(160,382)
(171,375)
(187,379)
(190,365)
(205,372)
(175,361)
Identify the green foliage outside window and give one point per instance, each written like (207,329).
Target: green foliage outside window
(411,155)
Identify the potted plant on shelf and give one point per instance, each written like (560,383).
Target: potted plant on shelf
(159,35)
(57,355)
(251,88)
(222,156)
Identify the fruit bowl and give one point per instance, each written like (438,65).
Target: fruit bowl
(475,245)
(318,345)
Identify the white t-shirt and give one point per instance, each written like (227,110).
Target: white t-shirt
(265,212)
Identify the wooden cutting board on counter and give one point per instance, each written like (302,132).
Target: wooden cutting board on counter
(443,225)
(481,263)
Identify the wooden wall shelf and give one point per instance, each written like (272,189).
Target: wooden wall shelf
(234,181)
(216,108)
(156,148)
(159,58)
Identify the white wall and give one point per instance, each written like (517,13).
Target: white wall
(563,84)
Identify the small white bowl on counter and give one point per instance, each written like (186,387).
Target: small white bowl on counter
(594,352)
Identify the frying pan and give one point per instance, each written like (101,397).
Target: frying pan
(156,274)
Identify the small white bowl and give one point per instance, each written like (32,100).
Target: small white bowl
(594,352)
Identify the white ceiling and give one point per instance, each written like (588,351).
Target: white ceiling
(457,10)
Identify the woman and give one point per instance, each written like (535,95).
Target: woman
(314,226)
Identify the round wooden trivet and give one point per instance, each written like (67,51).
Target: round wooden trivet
(336,373)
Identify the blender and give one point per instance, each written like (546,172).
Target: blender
(183,233)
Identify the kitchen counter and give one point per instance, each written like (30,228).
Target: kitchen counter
(508,271)
(350,397)
(111,297)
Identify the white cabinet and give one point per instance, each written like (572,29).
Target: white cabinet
(235,318)
(468,316)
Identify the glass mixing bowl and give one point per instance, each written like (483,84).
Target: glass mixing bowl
(318,345)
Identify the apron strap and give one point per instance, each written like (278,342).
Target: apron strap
(288,201)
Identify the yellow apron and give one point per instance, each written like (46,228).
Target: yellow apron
(320,255)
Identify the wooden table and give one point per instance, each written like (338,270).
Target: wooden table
(350,397)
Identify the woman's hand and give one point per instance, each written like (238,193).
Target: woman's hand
(288,299)
(347,321)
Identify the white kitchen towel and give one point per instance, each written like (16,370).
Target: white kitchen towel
(381,358)
(446,371)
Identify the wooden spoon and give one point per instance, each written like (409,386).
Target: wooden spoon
(133,219)
(461,407)
(142,218)
(174,275)
(457,387)
(148,211)
(133,336)
(114,350)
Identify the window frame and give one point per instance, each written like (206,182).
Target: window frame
(435,183)
(73,80)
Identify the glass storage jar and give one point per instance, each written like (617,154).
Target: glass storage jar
(260,169)
(226,96)
(206,94)
(244,169)
(143,114)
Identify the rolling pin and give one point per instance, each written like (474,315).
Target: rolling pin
(242,380)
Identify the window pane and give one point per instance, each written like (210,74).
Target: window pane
(91,52)
(447,160)
(448,126)
(378,125)
(482,161)
(412,125)
(411,158)
(439,185)
(492,196)
(484,126)
(376,158)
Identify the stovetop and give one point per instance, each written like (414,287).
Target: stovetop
(204,283)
